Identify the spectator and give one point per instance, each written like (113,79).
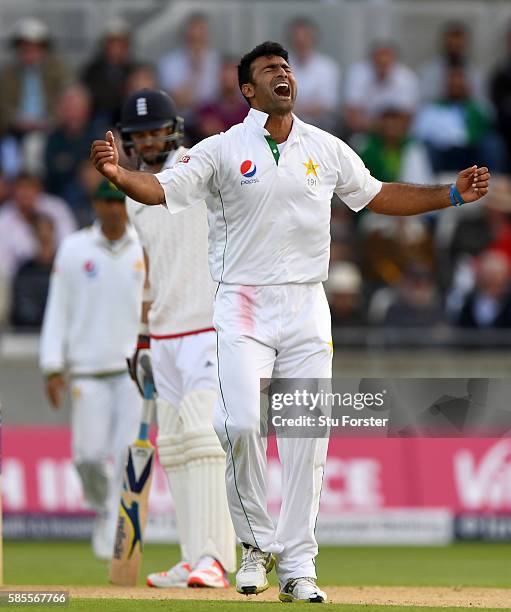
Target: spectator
(486,228)
(454,53)
(318,98)
(489,305)
(31,85)
(457,129)
(416,302)
(190,72)
(106,75)
(142,77)
(391,154)
(500,94)
(344,292)
(393,245)
(68,145)
(228,108)
(18,241)
(379,82)
(343,230)
(30,286)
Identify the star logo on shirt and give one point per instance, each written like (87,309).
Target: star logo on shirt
(310,166)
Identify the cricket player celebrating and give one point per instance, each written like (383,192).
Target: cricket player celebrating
(269,183)
(90,325)
(177,320)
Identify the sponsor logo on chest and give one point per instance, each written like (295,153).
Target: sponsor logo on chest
(248,170)
(90,269)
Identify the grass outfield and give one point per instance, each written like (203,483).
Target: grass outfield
(459,565)
(476,565)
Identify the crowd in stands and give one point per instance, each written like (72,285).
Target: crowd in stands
(448,269)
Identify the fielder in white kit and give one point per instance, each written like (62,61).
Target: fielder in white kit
(269,183)
(177,327)
(90,326)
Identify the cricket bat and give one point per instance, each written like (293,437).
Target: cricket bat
(131,521)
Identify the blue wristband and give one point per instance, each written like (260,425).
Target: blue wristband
(455,196)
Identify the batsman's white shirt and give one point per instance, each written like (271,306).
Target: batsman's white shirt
(181,315)
(269,224)
(93,311)
(177,247)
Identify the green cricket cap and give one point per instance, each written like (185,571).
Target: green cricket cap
(108,191)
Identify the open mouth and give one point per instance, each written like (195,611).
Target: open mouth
(282,90)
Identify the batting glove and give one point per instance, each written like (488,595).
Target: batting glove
(139,364)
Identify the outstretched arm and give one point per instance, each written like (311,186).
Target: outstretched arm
(140,186)
(403,199)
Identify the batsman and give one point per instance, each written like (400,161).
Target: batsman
(268,183)
(177,334)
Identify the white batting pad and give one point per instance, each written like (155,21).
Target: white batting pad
(212,532)
(172,459)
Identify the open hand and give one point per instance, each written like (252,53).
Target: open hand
(472,183)
(105,156)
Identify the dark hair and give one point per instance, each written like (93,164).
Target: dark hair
(265,49)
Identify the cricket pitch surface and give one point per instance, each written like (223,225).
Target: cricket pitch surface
(368,595)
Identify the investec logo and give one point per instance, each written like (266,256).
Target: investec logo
(248,170)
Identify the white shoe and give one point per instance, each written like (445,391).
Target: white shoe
(175,577)
(302,589)
(208,573)
(102,538)
(251,578)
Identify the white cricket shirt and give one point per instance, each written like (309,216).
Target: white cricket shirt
(182,289)
(92,315)
(269,223)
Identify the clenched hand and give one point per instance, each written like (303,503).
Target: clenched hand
(105,156)
(472,183)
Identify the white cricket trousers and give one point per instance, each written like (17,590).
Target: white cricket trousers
(183,365)
(281,331)
(105,418)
